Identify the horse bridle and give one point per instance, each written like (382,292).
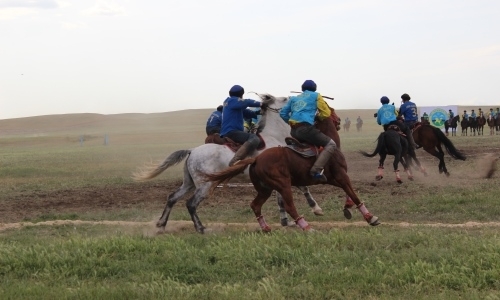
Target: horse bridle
(275,110)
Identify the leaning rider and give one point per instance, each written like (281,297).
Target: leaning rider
(300,112)
(386,116)
(235,110)
(409,111)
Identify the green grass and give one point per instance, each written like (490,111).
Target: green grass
(351,263)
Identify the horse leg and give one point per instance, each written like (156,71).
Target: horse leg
(186,187)
(343,181)
(441,160)
(200,194)
(263,193)
(404,162)
(283,216)
(310,200)
(285,190)
(381,161)
(397,159)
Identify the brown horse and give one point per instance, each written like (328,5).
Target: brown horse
(465,125)
(431,138)
(280,168)
(497,123)
(481,121)
(491,124)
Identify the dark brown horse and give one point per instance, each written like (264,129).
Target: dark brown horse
(472,125)
(465,125)
(392,142)
(280,168)
(481,121)
(453,124)
(431,138)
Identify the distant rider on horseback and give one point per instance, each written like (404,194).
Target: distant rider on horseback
(473,115)
(386,116)
(465,116)
(300,112)
(409,111)
(214,121)
(234,112)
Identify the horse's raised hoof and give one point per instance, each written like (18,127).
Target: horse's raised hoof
(347,214)
(379,177)
(317,211)
(374,221)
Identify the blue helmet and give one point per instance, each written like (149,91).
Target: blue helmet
(236,91)
(384,100)
(309,85)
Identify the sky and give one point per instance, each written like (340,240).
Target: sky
(131,56)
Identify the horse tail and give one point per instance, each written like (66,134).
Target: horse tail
(151,171)
(380,146)
(230,172)
(450,148)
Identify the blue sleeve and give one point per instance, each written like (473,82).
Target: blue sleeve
(378,117)
(244,103)
(249,114)
(285,111)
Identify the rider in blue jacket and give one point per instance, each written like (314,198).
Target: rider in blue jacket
(234,112)
(386,116)
(473,115)
(214,122)
(300,112)
(410,114)
(465,116)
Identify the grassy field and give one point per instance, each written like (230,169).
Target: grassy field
(405,257)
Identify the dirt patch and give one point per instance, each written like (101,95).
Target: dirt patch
(152,195)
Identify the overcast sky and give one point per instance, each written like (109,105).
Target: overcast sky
(131,56)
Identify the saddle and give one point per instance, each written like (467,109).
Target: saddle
(397,129)
(303,149)
(217,139)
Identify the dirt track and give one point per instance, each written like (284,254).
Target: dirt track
(152,195)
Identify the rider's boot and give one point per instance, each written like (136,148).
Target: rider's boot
(409,136)
(322,160)
(245,149)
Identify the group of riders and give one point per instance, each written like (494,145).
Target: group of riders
(465,116)
(300,113)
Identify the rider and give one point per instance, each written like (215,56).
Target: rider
(299,112)
(358,120)
(347,120)
(497,113)
(214,121)
(473,115)
(386,116)
(492,113)
(451,115)
(425,117)
(235,110)
(465,116)
(409,111)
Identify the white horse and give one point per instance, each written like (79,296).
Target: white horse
(212,158)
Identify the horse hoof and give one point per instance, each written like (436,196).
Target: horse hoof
(399,181)
(318,211)
(161,230)
(347,214)
(411,178)
(284,222)
(266,229)
(425,174)
(379,177)
(374,221)
(447,174)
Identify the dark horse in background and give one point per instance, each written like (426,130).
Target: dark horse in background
(481,121)
(491,124)
(472,125)
(359,125)
(452,123)
(431,138)
(290,168)
(465,125)
(392,142)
